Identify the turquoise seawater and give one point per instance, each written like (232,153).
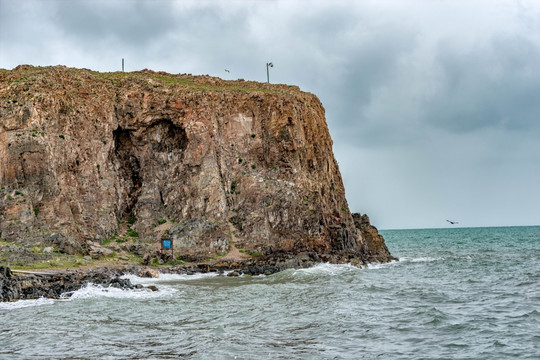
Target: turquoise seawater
(460,293)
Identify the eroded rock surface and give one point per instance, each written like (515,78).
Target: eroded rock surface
(227,164)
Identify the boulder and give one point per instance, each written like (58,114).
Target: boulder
(148,273)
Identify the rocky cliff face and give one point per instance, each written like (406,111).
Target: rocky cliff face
(220,165)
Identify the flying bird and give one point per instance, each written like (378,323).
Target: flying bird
(227,70)
(452,222)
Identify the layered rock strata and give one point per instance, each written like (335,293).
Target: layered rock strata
(221,166)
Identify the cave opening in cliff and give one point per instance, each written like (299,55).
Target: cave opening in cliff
(143,155)
(129,167)
(167,138)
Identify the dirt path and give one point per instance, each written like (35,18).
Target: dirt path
(234,254)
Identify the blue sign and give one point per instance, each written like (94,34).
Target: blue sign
(166,244)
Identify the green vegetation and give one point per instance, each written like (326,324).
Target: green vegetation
(17,192)
(61,136)
(131,220)
(162,221)
(174,262)
(254,253)
(185,81)
(132,233)
(234,184)
(62,262)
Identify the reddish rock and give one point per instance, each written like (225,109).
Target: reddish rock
(148,273)
(375,247)
(231,163)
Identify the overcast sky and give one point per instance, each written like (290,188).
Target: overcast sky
(434,106)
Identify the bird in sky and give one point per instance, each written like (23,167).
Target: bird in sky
(452,222)
(227,70)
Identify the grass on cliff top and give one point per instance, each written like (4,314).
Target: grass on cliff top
(151,78)
(202,83)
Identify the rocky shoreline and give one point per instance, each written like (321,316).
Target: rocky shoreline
(55,284)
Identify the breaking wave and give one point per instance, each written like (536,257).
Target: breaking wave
(327,269)
(25,303)
(93,291)
(98,291)
(167,278)
(403,261)
(374,266)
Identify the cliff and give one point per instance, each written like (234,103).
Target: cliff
(225,167)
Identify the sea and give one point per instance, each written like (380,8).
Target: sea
(458,293)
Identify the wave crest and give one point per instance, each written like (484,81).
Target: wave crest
(19,304)
(96,291)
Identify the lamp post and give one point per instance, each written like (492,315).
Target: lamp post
(268,72)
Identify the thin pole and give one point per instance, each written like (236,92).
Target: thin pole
(268,64)
(122,64)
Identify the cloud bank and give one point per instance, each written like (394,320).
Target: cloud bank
(433,105)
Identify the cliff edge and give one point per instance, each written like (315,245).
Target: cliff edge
(226,168)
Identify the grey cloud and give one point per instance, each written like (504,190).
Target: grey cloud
(394,96)
(411,90)
(371,65)
(126,23)
(493,87)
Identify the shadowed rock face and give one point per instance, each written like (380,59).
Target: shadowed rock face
(227,164)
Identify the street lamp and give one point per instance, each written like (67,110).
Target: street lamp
(267,72)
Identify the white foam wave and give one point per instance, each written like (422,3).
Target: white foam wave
(403,260)
(97,291)
(25,303)
(375,266)
(421,259)
(327,269)
(165,278)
